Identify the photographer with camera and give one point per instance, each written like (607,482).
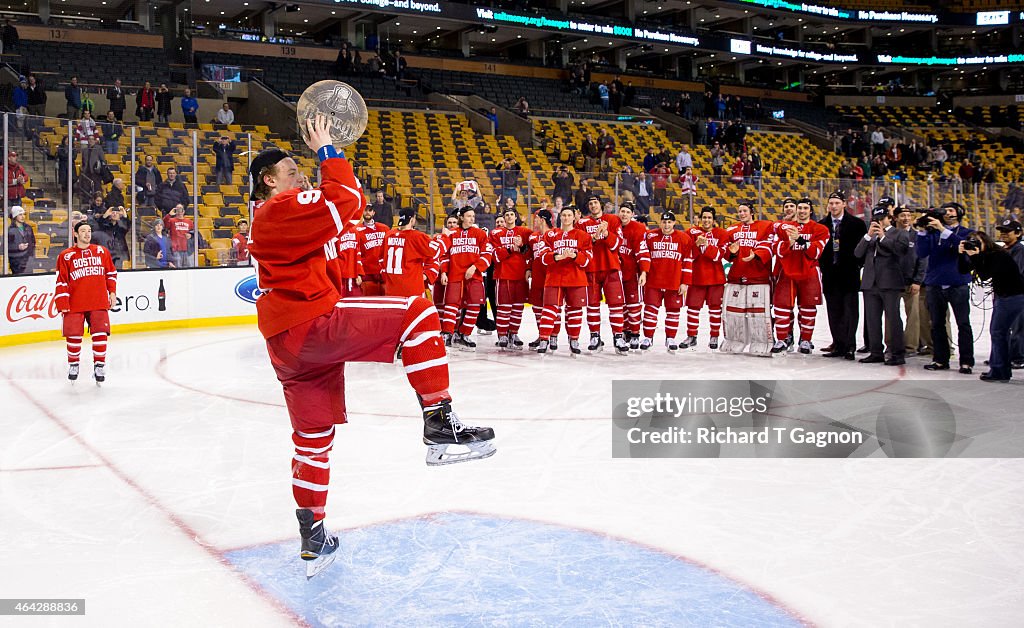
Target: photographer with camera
(990,262)
(882,250)
(1009,232)
(939,235)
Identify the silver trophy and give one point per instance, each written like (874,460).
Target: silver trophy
(341,103)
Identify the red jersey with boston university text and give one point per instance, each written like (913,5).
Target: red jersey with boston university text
(291,241)
(569,272)
(408,255)
(800,260)
(670,259)
(633,253)
(707,259)
(467,247)
(511,261)
(606,250)
(85,277)
(755,238)
(371,238)
(347,263)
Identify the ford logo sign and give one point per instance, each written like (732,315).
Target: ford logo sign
(248,290)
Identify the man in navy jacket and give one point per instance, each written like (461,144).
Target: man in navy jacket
(947,287)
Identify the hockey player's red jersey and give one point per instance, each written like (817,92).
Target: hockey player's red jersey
(754,238)
(371,238)
(288,238)
(85,279)
(800,260)
(346,264)
(570,272)
(606,250)
(670,259)
(707,260)
(634,256)
(510,260)
(408,255)
(465,248)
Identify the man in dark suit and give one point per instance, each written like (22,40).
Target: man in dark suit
(840,276)
(883,249)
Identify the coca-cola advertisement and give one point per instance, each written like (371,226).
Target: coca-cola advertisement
(30,304)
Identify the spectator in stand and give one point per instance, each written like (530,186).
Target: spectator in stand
(877,141)
(966,171)
(605,149)
(659,179)
(400,66)
(737,170)
(171,192)
(509,170)
(73,98)
(112,131)
(590,152)
(93,164)
(756,166)
(88,105)
(157,248)
(603,94)
(225,116)
(145,103)
(19,99)
(9,38)
(878,168)
(94,208)
(240,244)
(21,241)
(163,104)
(939,157)
(627,185)
(718,161)
(893,156)
(115,197)
(650,160)
(224,150)
(582,193)
(684,160)
(117,100)
(63,150)
(712,130)
(987,174)
(343,62)
(522,107)
(383,208)
(36,97)
(116,226)
(148,180)
(492,115)
(16,178)
(643,191)
(85,128)
(189,107)
(563,181)
(179,229)
(688,185)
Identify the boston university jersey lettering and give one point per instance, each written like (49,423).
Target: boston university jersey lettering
(84,279)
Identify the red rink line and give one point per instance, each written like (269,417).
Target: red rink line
(65,468)
(152,500)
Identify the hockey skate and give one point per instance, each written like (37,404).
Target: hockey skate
(634,341)
(595,343)
(574,347)
(99,373)
(621,346)
(645,344)
(462,342)
(447,339)
(806,347)
(713,345)
(790,347)
(553,343)
(533,345)
(672,346)
(318,547)
(517,344)
(542,346)
(442,428)
(503,343)
(73,372)
(689,341)
(780,346)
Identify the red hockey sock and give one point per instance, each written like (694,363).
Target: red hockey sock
(573,322)
(502,319)
(692,320)
(615,318)
(74,349)
(99,348)
(423,352)
(807,316)
(469,319)
(634,312)
(311,468)
(516,319)
(783,322)
(715,316)
(650,320)
(671,323)
(451,314)
(594,318)
(549,315)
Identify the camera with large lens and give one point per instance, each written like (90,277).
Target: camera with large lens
(926,216)
(972,244)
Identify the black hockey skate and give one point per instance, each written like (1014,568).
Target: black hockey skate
(553,343)
(574,347)
(542,346)
(534,344)
(99,373)
(621,346)
(780,346)
(672,345)
(73,371)
(442,428)
(447,338)
(806,347)
(595,342)
(634,341)
(645,344)
(462,341)
(517,344)
(689,341)
(318,546)
(503,343)
(713,345)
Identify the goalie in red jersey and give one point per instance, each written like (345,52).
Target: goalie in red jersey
(86,290)
(311,333)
